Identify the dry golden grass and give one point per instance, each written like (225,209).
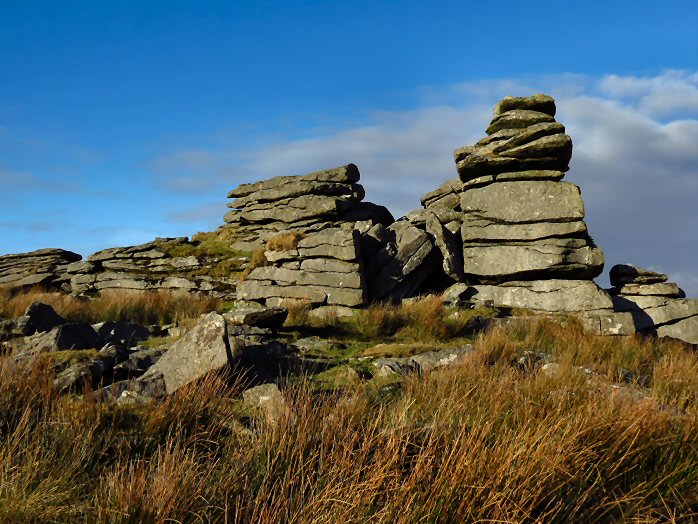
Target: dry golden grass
(422,320)
(482,442)
(285,241)
(298,312)
(258,259)
(151,307)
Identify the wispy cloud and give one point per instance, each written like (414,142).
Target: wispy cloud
(209,212)
(11,179)
(20,181)
(635,156)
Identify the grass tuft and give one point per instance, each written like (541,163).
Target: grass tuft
(148,307)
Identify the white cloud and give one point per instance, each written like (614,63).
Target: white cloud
(635,157)
(662,95)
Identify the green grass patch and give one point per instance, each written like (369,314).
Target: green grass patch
(69,357)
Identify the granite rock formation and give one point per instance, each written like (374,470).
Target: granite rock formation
(309,203)
(45,268)
(657,307)
(151,266)
(323,268)
(507,232)
(519,220)
(509,229)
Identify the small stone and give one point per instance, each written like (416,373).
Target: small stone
(269,400)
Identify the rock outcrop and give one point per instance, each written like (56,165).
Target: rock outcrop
(308,203)
(516,229)
(160,264)
(45,268)
(323,268)
(507,232)
(657,307)
(519,220)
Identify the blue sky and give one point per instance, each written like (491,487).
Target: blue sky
(122,121)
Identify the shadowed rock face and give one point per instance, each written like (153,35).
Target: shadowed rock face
(622,274)
(658,307)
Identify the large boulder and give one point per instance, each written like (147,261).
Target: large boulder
(547,296)
(524,202)
(40,318)
(63,337)
(552,258)
(205,348)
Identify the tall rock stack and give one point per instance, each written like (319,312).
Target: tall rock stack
(309,203)
(525,243)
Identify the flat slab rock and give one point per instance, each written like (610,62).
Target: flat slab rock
(552,296)
(661,289)
(685,329)
(44,267)
(649,312)
(524,202)
(347,174)
(546,258)
(523,141)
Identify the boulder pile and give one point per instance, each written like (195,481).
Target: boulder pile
(309,203)
(657,307)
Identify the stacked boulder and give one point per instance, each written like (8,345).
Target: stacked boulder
(519,220)
(353,251)
(324,268)
(309,203)
(657,307)
(45,268)
(521,236)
